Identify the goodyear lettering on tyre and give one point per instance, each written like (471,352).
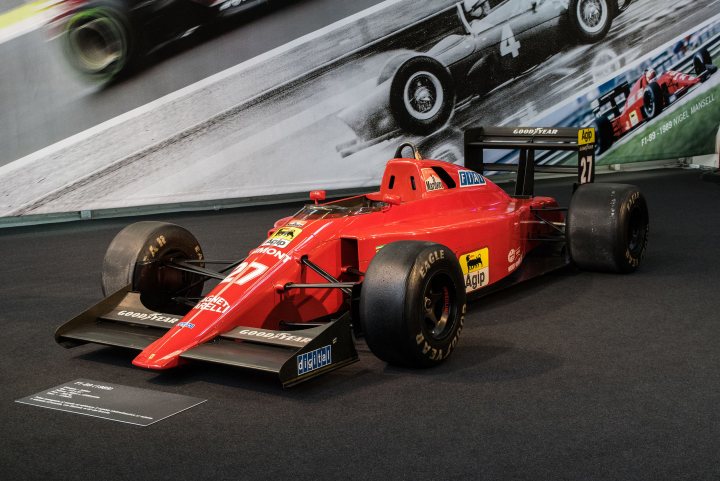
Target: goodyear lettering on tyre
(430,260)
(283,237)
(439,354)
(475,267)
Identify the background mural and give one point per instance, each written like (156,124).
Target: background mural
(278,100)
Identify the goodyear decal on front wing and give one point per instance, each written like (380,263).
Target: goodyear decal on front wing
(586,136)
(283,237)
(476,269)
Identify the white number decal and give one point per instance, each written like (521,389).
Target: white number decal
(508,44)
(586,164)
(245,272)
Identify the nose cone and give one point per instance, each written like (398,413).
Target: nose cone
(155,360)
(165,352)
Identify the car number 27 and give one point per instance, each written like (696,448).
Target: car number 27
(586,168)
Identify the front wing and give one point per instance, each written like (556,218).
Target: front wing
(294,356)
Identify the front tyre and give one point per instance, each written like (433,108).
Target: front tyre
(98,41)
(653,100)
(138,255)
(422,97)
(412,303)
(607,227)
(590,19)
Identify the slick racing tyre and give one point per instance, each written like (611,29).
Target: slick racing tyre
(412,303)
(702,62)
(653,100)
(137,256)
(605,134)
(590,19)
(99,42)
(422,97)
(607,227)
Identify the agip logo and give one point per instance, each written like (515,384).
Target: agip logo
(586,136)
(476,269)
(283,237)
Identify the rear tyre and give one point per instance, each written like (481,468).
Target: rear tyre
(421,95)
(607,227)
(605,135)
(412,303)
(702,62)
(590,19)
(99,42)
(137,256)
(653,100)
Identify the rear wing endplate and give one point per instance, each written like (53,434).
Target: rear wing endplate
(528,140)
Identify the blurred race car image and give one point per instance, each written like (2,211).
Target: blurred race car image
(624,108)
(395,266)
(417,92)
(103,38)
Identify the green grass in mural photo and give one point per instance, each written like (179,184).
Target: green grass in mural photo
(688,130)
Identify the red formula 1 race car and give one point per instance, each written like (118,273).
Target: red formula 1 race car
(395,266)
(103,38)
(646,99)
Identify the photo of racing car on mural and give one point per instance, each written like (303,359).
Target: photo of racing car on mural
(626,107)
(395,265)
(417,92)
(103,38)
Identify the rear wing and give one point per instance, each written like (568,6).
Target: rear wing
(528,140)
(615,98)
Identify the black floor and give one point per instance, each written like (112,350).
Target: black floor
(574,376)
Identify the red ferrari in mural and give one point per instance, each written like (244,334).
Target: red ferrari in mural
(395,266)
(624,108)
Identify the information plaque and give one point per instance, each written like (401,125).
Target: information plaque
(112,401)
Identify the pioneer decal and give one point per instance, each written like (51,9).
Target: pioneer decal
(515,257)
(296,223)
(476,269)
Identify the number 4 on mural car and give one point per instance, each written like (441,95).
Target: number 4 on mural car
(508,44)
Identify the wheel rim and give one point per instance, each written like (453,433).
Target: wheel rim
(649,105)
(439,307)
(636,228)
(592,15)
(423,95)
(97,43)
